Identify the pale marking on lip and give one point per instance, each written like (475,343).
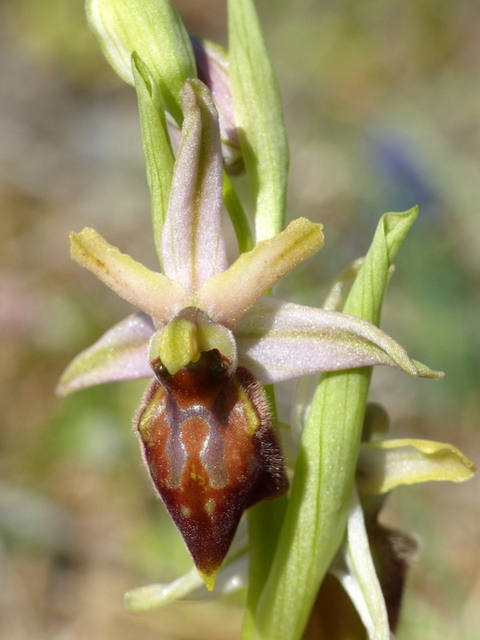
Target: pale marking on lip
(210,506)
(185,511)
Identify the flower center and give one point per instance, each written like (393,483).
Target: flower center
(190,333)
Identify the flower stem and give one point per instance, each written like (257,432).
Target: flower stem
(237,216)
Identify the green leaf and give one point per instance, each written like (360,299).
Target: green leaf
(317,513)
(156,146)
(154,30)
(259,117)
(366,296)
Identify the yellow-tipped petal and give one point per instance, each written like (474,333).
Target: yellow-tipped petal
(209,579)
(384,465)
(226,296)
(153,293)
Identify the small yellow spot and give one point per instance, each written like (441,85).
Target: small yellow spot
(210,506)
(199,478)
(186,511)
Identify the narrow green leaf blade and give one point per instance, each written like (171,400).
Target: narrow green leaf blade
(237,216)
(259,117)
(156,146)
(316,517)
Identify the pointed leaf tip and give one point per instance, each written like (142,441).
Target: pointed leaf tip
(422,371)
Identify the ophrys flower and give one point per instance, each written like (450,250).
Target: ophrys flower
(209,339)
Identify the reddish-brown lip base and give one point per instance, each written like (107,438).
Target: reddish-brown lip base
(212,452)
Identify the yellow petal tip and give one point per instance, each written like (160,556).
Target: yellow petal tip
(209,579)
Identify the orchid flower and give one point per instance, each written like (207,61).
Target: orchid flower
(208,337)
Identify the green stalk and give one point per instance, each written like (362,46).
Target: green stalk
(237,216)
(156,144)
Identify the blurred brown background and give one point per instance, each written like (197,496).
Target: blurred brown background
(382,105)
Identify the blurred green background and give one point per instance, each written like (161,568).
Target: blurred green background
(382,104)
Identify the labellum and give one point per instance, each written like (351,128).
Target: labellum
(211,450)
